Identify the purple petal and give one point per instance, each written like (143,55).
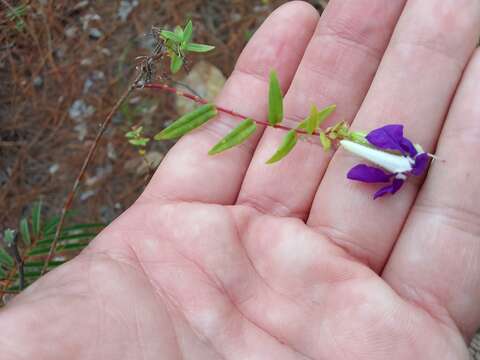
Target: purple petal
(389,189)
(368,174)
(387,137)
(421,164)
(408,147)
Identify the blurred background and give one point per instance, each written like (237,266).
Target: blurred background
(64,63)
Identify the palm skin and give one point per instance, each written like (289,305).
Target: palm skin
(202,267)
(159,283)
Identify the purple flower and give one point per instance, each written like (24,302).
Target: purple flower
(393,152)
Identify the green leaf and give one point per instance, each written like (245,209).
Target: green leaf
(83,226)
(134,133)
(237,136)
(71,238)
(44,250)
(275,100)
(188,122)
(139,141)
(287,145)
(176,63)
(325,141)
(179,32)
(316,118)
(169,35)
(36,217)
(39,264)
(199,48)
(5,258)
(25,232)
(324,114)
(359,137)
(310,123)
(188,32)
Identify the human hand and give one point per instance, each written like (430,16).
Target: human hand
(225,257)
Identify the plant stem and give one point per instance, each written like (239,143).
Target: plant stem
(199,100)
(91,152)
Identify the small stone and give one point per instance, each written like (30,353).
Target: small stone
(106,52)
(82,130)
(71,31)
(80,5)
(100,173)
(206,80)
(80,110)
(86,62)
(150,162)
(86,19)
(111,152)
(87,195)
(87,85)
(125,8)
(52,169)
(95,33)
(38,82)
(98,75)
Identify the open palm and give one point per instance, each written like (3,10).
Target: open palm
(225,257)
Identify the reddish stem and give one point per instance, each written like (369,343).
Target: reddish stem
(199,100)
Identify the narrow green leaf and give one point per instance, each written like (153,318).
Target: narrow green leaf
(237,136)
(83,226)
(176,63)
(199,48)
(325,141)
(36,217)
(73,237)
(169,35)
(179,32)
(5,258)
(25,232)
(324,114)
(359,137)
(287,145)
(139,142)
(316,118)
(44,250)
(188,32)
(39,264)
(310,123)
(188,122)
(275,100)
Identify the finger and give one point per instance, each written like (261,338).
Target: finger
(188,172)
(436,261)
(414,86)
(338,67)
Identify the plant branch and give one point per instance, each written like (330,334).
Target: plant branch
(199,100)
(134,85)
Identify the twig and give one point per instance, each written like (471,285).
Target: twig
(199,100)
(134,85)
(19,261)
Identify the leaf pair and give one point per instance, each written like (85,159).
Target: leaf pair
(316,118)
(178,43)
(136,138)
(310,124)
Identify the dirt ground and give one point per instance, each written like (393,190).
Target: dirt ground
(62,66)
